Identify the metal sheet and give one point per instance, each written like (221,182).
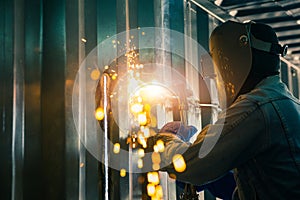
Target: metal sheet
(6,94)
(53,99)
(32,76)
(72,64)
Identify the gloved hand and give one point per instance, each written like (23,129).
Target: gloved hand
(183,132)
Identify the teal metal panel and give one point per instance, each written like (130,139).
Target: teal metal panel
(203,28)
(18,102)
(133,10)
(72,64)
(145,16)
(33,48)
(106,19)
(6,94)
(176,15)
(177,24)
(90,34)
(53,99)
(203,40)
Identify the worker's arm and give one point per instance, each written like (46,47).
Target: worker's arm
(230,142)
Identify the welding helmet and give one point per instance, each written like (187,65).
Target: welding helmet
(243,53)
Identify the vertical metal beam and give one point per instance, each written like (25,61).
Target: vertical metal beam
(32,188)
(6,95)
(105,95)
(107,27)
(72,64)
(106,19)
(131,23)
(203,37)
(191,53)
(284,73)
(82,116)
(176,19)
(145,16)
(18,102)
(122,25)
(295,81)
(290,78)
(53,99)
(90,34)
(162,20)
(203,28)
(163,11)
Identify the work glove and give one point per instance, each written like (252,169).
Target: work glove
(183,132)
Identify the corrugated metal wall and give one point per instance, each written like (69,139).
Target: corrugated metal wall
(42,45)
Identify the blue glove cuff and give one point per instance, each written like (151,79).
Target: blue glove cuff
(183,132)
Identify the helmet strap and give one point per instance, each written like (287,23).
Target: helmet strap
(276,49)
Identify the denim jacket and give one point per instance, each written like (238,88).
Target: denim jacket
(259,138)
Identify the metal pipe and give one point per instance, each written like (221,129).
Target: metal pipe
(105,105)
(210,12)
(127,17)
(82,100)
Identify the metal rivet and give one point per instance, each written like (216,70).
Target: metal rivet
(244,40)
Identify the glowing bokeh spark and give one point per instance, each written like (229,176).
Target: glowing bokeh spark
(99,113)
(179,163)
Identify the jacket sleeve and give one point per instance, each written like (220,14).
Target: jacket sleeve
(220,147)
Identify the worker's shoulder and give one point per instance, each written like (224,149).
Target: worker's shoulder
(269,90)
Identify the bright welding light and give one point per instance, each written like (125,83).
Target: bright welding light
(136,108)
(114,76)
(155,166)
(133,84)
(116,148)
(159,191)
(151,189)
(179,163)
(99,113)
(123,172)
(147,107)
(140,163)
(141,153)
(156,158)
(160,146)
(153,177)
(152,91)
(146,132)
(140,99)
(95,74)
(142,141)
(142,118)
